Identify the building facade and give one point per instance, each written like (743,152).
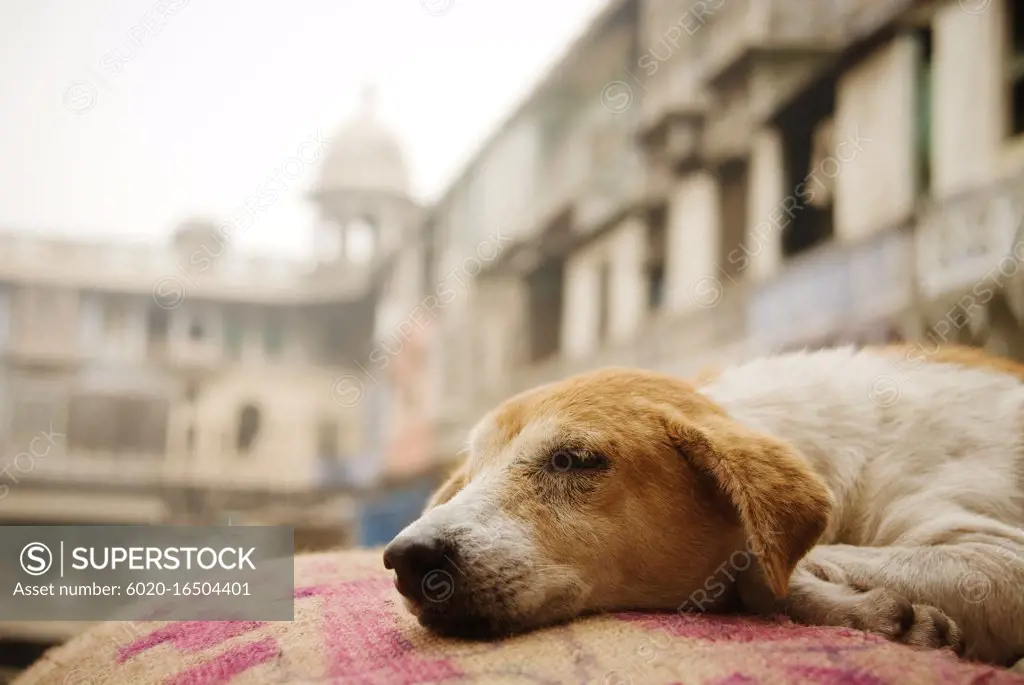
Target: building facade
(696,183)
(189,384)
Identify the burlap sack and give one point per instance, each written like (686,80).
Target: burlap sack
(349,628)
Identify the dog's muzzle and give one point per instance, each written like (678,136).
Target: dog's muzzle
(428,574)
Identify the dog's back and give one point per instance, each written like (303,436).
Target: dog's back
(910,441)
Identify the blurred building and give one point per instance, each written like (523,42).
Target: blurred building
(697,183)
(188,384)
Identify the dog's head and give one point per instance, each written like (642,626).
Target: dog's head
(617,489)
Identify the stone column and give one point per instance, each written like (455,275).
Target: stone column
(580,308)
(627,254)
(770,209)
(693,279)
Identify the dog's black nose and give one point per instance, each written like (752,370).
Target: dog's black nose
(422,567)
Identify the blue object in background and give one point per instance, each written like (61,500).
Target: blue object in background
(385,515)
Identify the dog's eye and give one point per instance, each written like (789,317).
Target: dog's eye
(576,460)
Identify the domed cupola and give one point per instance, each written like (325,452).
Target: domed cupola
(363,189)
(364,156)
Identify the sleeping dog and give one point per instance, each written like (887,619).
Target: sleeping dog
(876,489)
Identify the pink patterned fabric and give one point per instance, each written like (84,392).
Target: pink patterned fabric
(363,645)
(189,636)
(223,667)
(349,628)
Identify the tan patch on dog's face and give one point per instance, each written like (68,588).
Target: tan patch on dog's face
(619,489)
(590,468)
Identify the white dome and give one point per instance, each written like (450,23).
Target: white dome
(365,156)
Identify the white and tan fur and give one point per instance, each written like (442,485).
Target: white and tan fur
(877,489)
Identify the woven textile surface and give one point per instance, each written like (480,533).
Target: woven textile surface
(350,628)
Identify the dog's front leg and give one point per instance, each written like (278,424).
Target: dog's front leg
(968,595)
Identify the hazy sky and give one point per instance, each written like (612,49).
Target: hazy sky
(122,117)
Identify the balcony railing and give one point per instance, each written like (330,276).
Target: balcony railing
(145,270)
(92,471)
(835,288)
(49,351)
(742,25)
(94,468)
(960,240)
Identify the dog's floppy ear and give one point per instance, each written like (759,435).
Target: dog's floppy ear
(782,504)
(456,481)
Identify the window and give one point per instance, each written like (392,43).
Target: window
(327,439)
(656,251)
(196,329)
(808,135)
(604,280)
(545,296)
(234,335)
(336,336)
(133,426)
(142,426)
(273,335)
(248,428)
(655,286)
(93,424)
(924,111)
(157,324)
(114,318)
(1015,67)
(734,184)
